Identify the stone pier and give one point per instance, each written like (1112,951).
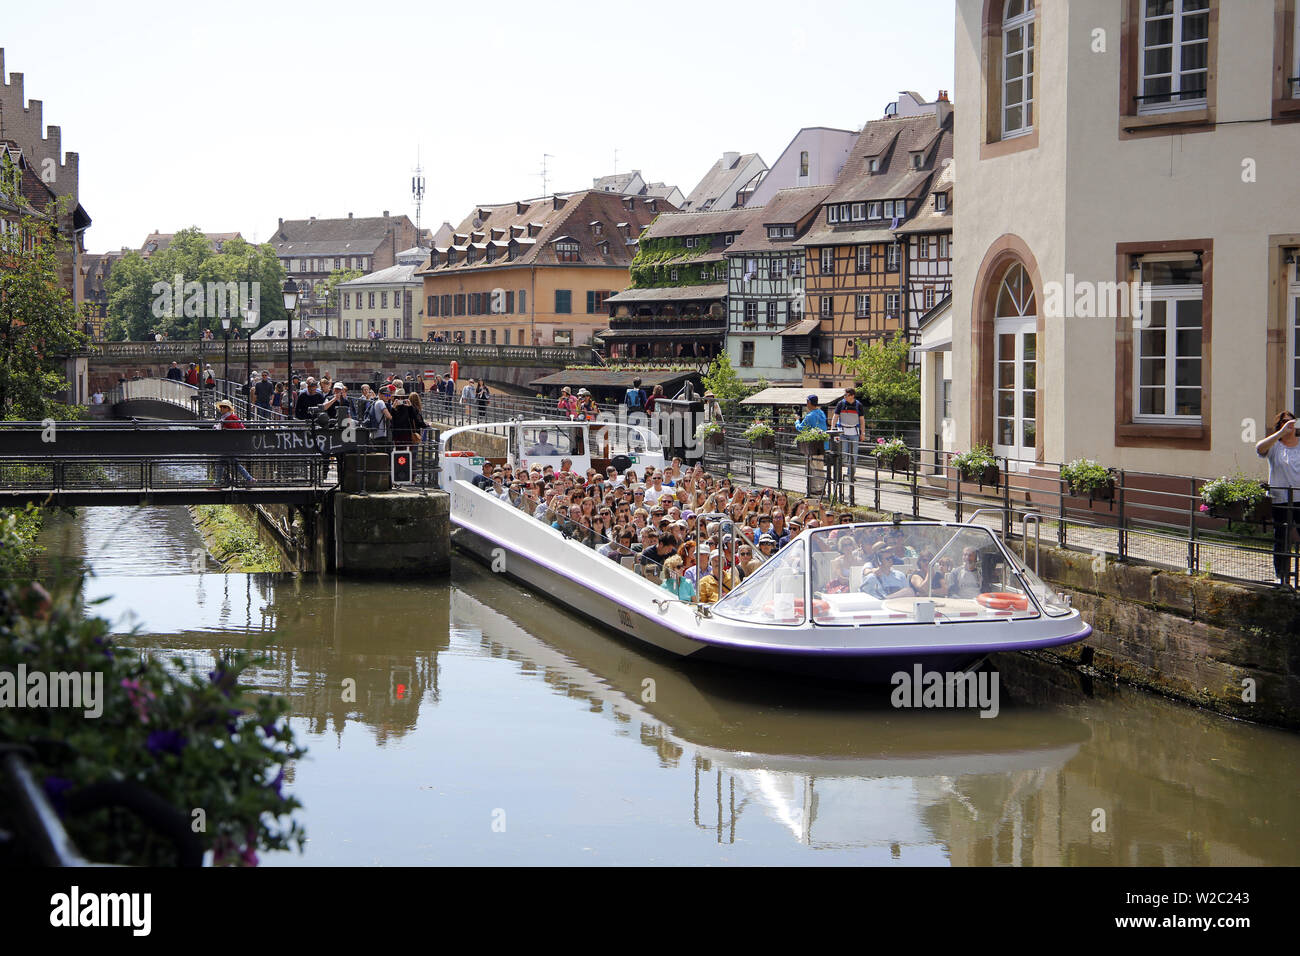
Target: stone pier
(404,533)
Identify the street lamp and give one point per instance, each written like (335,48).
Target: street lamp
(225,332)
(250,323)
(290,292)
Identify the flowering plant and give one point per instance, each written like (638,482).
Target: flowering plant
(888,450)
(760,429)
(208,753)
(811,433)
(1087,477)
(1224,492)
(706,429)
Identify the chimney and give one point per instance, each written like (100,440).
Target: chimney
(942,109)
(313,219)
(729,159)
(349,215)
(385,213)
(282,220)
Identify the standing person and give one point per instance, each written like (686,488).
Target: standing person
(482,394)
(634,400)
(277,401)
(467,396)
(1282,449)
(262,393)
(192,375)
(406,423)
(657,394)
(567,405)
(813,417)
(227,420)
(175,373)
(378,420)
(307,400)
(849,417)
(587,408)
(425,432)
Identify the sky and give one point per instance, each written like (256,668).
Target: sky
(231,116)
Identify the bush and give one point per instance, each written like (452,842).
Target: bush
(760,429)
(1223,492)
(887,450)
(810,434)
(196,741)
(706,429)
(1087,477)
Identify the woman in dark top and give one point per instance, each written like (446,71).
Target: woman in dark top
(482,395)
(407,422)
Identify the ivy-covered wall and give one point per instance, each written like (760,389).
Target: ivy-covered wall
(656,258)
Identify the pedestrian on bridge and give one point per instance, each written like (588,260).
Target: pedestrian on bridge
(262,392)
(227,420)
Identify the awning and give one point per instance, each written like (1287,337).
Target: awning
(936,328)
(706,334)
(594,378)
(802,327)
(793,395)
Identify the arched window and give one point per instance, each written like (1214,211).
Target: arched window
(1017,68)
(1015,369)
(1015,295)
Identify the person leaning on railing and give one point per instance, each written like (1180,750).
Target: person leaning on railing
(1282,449)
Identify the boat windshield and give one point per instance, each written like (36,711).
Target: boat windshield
(551,441)
(774,594)
(881,574)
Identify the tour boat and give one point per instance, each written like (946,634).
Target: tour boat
(805,610)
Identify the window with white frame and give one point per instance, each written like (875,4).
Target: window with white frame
(859,211)
(863,306)
(893,303)
(769,314)
(923,247)
(864,258)
(1168,344)
(940,202)
(692,242)
(945,247)
(927,298)
(751,314)
(844,212)
(796,265)
(832,213)
(891,257)
(1174,57)
(777,267)
(873,164)
(873,210)
(828,260)
(787,232)
(774,232)
(827,307)
(1018,68)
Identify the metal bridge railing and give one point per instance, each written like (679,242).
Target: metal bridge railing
(145,473)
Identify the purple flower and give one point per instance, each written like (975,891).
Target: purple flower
(269,729)
(222,679)
(55,788)
(165,741)
(1205,507)
(275,784)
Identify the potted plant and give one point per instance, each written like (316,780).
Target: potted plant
(977,465)
(812,440)
(894,453)
(1235,498)
(760,434)
(710,433)
(1086,478)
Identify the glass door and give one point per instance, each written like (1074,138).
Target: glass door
(1015,391)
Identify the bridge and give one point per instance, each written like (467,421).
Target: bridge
(107,363)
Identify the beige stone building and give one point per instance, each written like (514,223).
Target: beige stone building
(1103,144)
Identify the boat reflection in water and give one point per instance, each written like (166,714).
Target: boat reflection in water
(837,766)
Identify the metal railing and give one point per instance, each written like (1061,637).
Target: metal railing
(380,350)
(1146,517)
(148,473)
(167,390)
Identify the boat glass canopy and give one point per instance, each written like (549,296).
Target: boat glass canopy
(774,594)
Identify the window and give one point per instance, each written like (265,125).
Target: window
(597,228)
(507,337)
(769,314)
(729,238)
(873,210)
(863,309)
(562,337)
(1017,68)
(828,260)
(859,211)
(563,300)
(692,242)
(796,265)
(1168,346)
(523,301)
(460,304)
(371,301)
(774,232)
(945,243)
(432,307)
(923,247)
(1173,60)
(596,301)
(747,354)
(383,300)
(893,301)
(493,335)
(475,304)
(473,336)
(891,257)
(941,202)
(446,305)
(787,232)
(510,301)
(803,163)
(864,258)
(566,251)
(832,213)
(927,298)
(873,164)
(672,275)
(347,300)
(844,212)
(751,314)
(947,398)
(827,307)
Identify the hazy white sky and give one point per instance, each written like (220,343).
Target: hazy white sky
(229,116)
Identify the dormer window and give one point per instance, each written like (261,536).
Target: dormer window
(918,160)
(873,210)
(873,164)
(451,257)
(832,213)
(774,232)
(859,211)
(627,203)
(566,252)
(491,253)
(597,228)
(692,242)
(469,256)
(603,246)
(941,202)
(729,238)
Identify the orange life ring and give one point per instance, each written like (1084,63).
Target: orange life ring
(457,454)
(820,607)
(1003,601)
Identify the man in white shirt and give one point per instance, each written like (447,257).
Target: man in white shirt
(655,490)
(967,582)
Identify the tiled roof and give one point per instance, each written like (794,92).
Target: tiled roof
(674,293)
(927,218)
(393,275)
(702,223)
(348,236)
(573,220)
(717,180)
(892,141)
(788,207)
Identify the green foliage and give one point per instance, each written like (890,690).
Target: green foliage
(1087,477)
(193,738)
(705,429)
(888,388)
(655,258)
(18,530)
(330,287)
(235,542)
(811,433)
(1239,489)
(137,307)
(759,429)
(725,383)
(972,463)
(39,325)
(888,450)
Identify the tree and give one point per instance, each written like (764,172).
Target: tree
(886,385)
(39,325)
(130,295)
(723,381)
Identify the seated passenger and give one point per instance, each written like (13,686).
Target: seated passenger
(543,448)
(883,580)
(484,480)
(966,581)
(927,579)
(839,576)
(675,582)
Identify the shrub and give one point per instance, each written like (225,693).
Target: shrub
(1223,492)
(972,463)
(810,434)
(760,429)
(887,450)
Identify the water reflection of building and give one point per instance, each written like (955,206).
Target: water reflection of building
(311,639)
(1020,789)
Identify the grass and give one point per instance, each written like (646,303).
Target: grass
(233,541)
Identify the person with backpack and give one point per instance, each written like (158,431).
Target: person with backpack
(377,420)
(849,416)
(567,405)
(634,401)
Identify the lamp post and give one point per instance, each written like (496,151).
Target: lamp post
(290,292)
(250,323)
(225,333)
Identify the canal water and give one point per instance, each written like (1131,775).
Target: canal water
(493,728)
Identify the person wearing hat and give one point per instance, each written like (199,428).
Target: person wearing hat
(407,423)
(766,546)
(337,405)
(712,410)
(813,417)
(228,420)
(587,408)
(568,404)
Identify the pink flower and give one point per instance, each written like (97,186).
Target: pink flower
(1205,507)
(139,698)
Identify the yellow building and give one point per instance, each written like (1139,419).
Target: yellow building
(535,272)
